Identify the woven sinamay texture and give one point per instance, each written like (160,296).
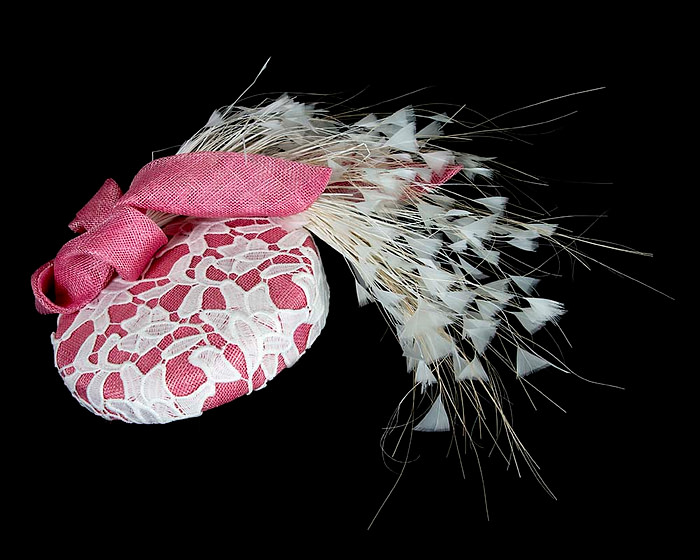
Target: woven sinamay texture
(223,307)
(118,236)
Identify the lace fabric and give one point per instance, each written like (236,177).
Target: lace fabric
(223,307)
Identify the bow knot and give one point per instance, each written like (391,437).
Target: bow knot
(116,234)
(113,238)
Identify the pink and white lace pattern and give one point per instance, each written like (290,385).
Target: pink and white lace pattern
(221,310)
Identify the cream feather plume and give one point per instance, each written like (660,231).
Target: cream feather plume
(440,260)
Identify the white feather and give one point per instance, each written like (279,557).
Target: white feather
(441,117)
(472,370)
(496,204)
(428,212)
(389,182)
(525,239)
(435,345)
(384,231)
(487,309)
(480,332)
(400,118)
(436,420)
(458,363)
(411,351)
(424,247)
(497,290)
(478,229)
(373,200)
(472,166)
(490,256)
(408,174)
(215,119)
(527,362)
(438,161)
(363,296)
(525,283)
(291,223)
(337,170)
(542,229)
(404,139)
(390,302)
(471,270)
(423,174)
(458,212)
(457,300)
(436,280)
(462,244)
(426,319)
(366,268)
(430,130)
(423,374)
(544,309)
(540,312)
(368,121)
(526,244)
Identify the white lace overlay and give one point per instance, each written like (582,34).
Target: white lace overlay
(222,309)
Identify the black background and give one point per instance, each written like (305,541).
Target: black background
(300,460)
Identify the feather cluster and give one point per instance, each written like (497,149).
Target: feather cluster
(427,237)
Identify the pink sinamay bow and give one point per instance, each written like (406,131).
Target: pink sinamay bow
(116,235)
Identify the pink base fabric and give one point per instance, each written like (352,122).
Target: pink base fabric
(223,308)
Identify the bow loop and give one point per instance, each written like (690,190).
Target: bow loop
(125,242)
(98,209)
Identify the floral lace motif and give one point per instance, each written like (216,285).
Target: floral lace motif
(222,309)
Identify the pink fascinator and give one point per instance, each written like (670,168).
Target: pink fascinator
(203,281)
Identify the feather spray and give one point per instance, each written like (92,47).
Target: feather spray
(428,239)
